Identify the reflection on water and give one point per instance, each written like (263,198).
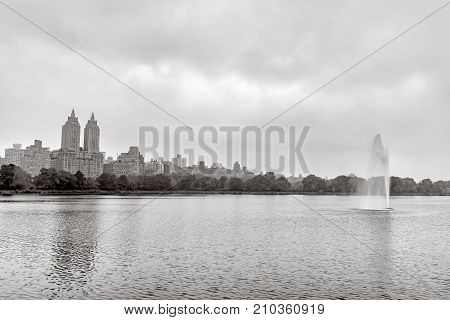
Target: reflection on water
(222,247)
(73,252)
(379,227)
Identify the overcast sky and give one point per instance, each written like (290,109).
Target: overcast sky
(235,63)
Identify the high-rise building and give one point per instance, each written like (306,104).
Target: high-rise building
(70,157)
(179,161)
(90,164)
(35,158)
(154,166)
(129,163)
(71,133)
(92,136)
(109,160)
(168,168)
(236,167)
(217,165)
(14,155)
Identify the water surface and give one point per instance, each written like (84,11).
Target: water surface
(223,247)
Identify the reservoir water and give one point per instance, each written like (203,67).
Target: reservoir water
(223,247)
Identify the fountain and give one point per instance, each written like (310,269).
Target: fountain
(377,194)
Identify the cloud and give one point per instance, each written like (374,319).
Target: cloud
(221,62)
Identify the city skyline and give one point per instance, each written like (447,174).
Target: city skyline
(71,140)
(230,70)
(90,161)
(224,158)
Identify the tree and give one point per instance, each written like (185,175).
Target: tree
(409,185)
(425,186)
(22,180)
(107,181)
(207,183)
(133,182)
(186,183)
(66,181)
(358,185)
(341,184)
(122,183)
(297,186)
(91,184)
(259,183)
(80,180)
(270,175)
(7,176)
(439,187)
(162,182)
(236,184)
(313,184)
(396,185)
(268,182)
(159,182)
(47,179)
(50,179)
(223,182)
(137,182)
(283,184)
(13,177)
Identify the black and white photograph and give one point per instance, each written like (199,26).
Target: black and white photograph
(224,159)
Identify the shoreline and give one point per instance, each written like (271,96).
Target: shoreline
(192,192)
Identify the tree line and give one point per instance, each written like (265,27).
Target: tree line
(14,178)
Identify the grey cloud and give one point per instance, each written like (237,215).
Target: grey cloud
(233,62)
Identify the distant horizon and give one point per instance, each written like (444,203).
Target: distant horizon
(240,152)
(114,156)
(234,64)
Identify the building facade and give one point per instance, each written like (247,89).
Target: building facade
(14,155)
(92,136)
(71,157)
(154,166)
(2,162)
(35,158)
(129,163)
(90,164)
(236,167)
(168,167)
(70,139)
(109,160)
(179,161)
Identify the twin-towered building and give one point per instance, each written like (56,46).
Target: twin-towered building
(70,138)
(71,157)
(92,136)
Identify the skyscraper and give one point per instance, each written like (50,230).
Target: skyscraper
(71,158)
(129,163)
(71,133)
(92,136)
